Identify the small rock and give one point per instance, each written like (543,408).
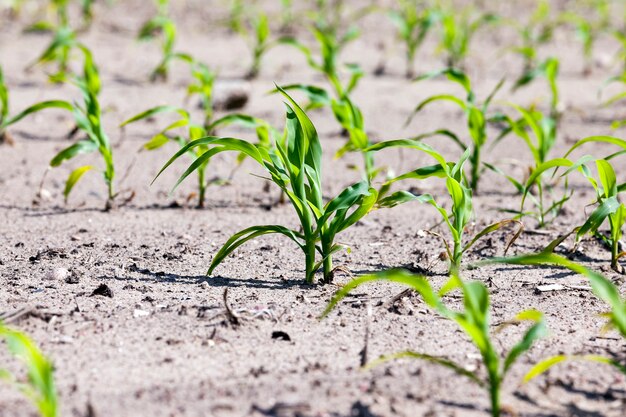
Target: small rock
(103,290)
(140,313)
(58,274)
(280,335)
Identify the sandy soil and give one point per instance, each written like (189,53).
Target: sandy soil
(160,345)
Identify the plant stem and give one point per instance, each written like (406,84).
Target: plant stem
(328,261)
(475,168)
(494,393)
(456,256)
(309,253)
(201,188)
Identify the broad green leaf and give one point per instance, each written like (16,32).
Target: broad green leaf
(73,179)
(245,235)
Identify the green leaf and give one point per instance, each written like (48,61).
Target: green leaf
(156,142)
(245,235)
(41,388)
(73,179)
(83,146)
(154,111)
(433,359)
(53,104)
(399,276)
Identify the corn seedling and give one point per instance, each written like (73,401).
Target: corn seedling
(286,14)
(413,20)
(587,31)
(63,43)
(161,25)
(538,132)
(548,69)
(88,119)
(327,64)
(6,119)
(476,114)
(538,31)
(258,33)
(236,15)
(458,28)
(294,164)
(474,320)
(347,114)
(602,287)
(330,16)
(5,137)
(607,191)
(461,212)
(40,388)
(168,134)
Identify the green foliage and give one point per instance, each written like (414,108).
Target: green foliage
(286,14)
(165,28)
(538,132)
(602,287)
(64,43)
(457,29)
(4,110)
(331,16)
(548,69)
(477,118)
(588,29)
(88,119)
(461,211)
(346,112)
(294,165)
(413,20)
(257,30)
(40,388)
(538,31)
(474,320)
(607,192)
(330,47)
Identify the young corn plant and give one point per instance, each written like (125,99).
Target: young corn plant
(347,114)
(63,44)
(330,46)
(202,86)
(330,16)
(413,21)
(609,206)
(40,387)
(537,32)
(161,26)
(294,165)
(169,134)
(5,137)
(236,16)
(461,211)
(587,31)
(548,69)
(258,34)
(6,119)
(476,114)
(287,18)
(538,132)
(601,286)
(474,320)
(88,119)
(458,28)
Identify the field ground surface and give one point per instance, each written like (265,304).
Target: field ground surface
(162,345)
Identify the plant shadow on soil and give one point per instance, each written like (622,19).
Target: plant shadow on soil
(358,409)
(212,281)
